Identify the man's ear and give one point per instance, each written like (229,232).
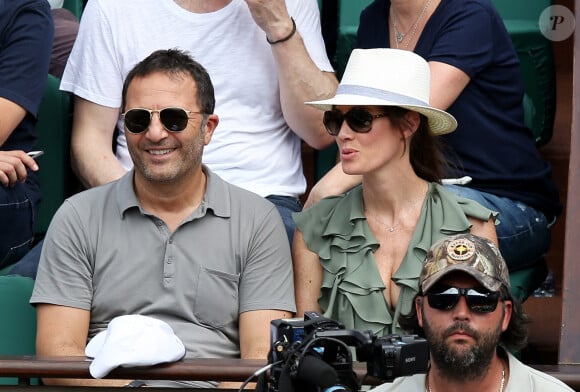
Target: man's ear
(507,314)
(210,125)
(419,310)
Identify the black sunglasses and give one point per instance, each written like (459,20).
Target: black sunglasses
(358,119)
(478,301)
(173,119)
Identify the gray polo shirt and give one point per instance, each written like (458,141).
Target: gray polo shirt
(105,254)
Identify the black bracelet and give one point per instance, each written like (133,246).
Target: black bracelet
(285,38)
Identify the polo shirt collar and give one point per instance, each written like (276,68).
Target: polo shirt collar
(216,197)
(217,194)
(126,197)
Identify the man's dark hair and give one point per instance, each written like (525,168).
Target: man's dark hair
(514,338)
(175,62)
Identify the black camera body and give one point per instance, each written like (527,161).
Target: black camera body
(394,356)
(315,353)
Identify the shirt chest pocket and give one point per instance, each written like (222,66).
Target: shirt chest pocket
(216,299)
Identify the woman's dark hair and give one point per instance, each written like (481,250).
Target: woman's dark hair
(425,150)
(514,338)
(175,62)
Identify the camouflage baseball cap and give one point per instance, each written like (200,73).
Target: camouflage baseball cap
(471,254)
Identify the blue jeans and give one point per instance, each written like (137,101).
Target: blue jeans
(28,264)
(286,205)
(523,232)
(17,228)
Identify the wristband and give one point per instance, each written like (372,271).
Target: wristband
(285,38)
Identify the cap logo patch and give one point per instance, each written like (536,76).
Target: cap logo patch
(460,249)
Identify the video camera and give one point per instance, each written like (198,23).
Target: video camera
(315,355)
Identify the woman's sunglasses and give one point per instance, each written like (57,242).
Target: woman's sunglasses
(173,119)
(358,119)
(478,301)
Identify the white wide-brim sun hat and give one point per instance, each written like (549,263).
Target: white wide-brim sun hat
(389,77)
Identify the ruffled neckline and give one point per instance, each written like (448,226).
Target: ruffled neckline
(352,289)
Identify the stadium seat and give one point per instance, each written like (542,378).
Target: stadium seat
(18,326)
(53,129)
(74,6)
(521,18)
(348,20)
(525,281)
(6,270)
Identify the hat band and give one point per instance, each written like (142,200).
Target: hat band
(370,92)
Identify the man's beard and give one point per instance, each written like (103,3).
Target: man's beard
(463,363)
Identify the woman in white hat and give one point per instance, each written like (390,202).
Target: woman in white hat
(476,77)
(357,257)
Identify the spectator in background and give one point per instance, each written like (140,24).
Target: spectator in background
(266,58)
(170,239)
(475,76)
(65,31)
(357,257)
(470,320)
(66,27)
(26,34)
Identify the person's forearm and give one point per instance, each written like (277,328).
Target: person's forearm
(335,182)
(12,115)
(93,160)
(71,350)
(94,168)
(53,349)
(301,81)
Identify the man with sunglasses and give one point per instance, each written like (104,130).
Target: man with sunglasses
(170,239)
(470,320)
(266,58)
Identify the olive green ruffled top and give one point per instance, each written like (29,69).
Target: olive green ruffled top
(352,289)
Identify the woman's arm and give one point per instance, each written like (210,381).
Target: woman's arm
(307,276)
(447,82)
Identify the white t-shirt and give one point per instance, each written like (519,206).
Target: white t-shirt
(252,146)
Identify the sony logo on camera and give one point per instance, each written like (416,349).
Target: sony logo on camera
(395,355)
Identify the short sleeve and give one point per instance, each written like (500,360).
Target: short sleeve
(93,56)
(465,40)
(65,273)
(267,279)
(26,43)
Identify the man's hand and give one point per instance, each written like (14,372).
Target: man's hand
(13,166)
(272,17)
(299,78)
